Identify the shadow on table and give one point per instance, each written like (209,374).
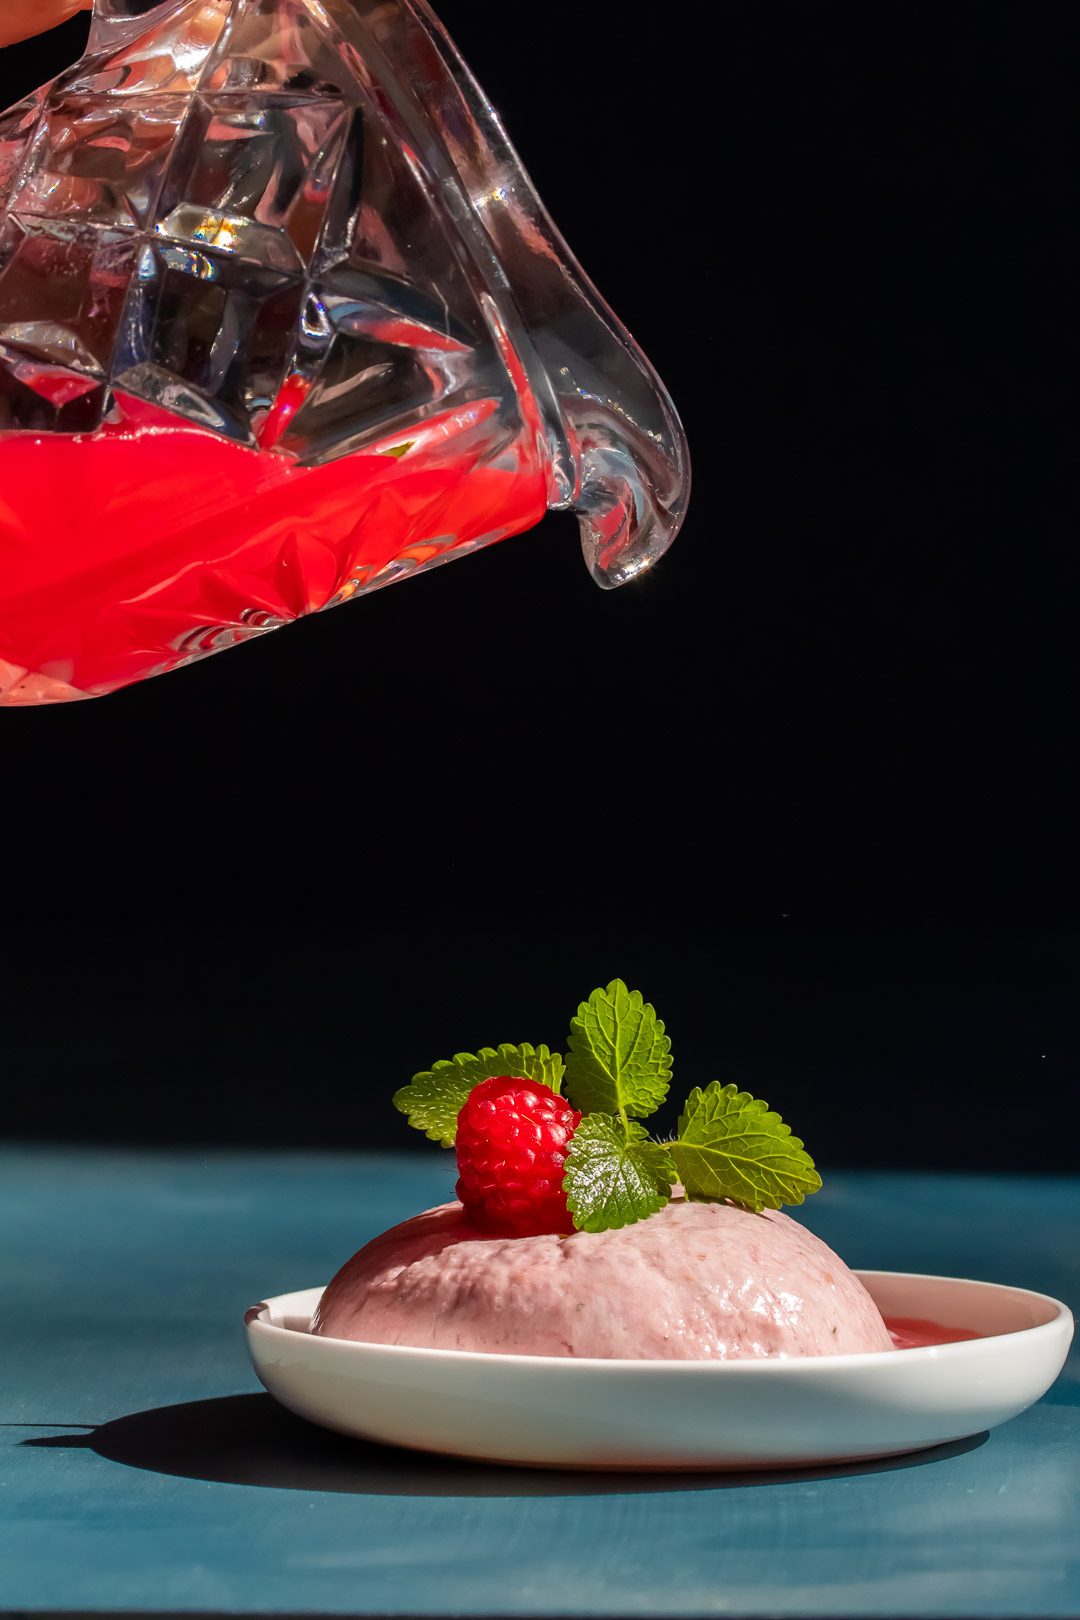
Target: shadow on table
(251,1440)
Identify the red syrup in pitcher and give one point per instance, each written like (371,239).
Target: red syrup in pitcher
(134,549)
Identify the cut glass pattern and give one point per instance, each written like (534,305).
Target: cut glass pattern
(100,158)
(158,50)
(282,320)
(63,283)
(16,128)
(290,46)
(256,173)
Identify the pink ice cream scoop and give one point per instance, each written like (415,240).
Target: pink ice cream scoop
(700,1282)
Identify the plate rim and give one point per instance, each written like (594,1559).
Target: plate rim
(1060,1320)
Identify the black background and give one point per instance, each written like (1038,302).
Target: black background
(811,784)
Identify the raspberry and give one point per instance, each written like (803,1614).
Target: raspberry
(512,1140)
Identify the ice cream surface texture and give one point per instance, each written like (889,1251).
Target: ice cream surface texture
(695,1282)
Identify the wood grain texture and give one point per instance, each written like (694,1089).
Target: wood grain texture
(142,1471)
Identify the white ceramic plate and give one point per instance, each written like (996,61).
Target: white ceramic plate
(575,1413)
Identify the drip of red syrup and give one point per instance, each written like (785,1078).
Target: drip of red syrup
(131,550)
(915,1333)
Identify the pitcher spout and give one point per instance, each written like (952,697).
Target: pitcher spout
(616,449)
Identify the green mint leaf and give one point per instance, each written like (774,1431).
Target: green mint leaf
(615,1175)
(619,1061)
(731,1146)
(433,1099)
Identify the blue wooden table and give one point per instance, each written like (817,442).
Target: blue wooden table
(142,1471)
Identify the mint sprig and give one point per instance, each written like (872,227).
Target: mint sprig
(614,1174)
(732,1146)
(434,1098)
(619,1058)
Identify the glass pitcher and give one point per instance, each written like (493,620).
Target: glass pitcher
(282,320)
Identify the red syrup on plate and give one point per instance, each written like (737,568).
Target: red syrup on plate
(915,1333)
(143,545)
